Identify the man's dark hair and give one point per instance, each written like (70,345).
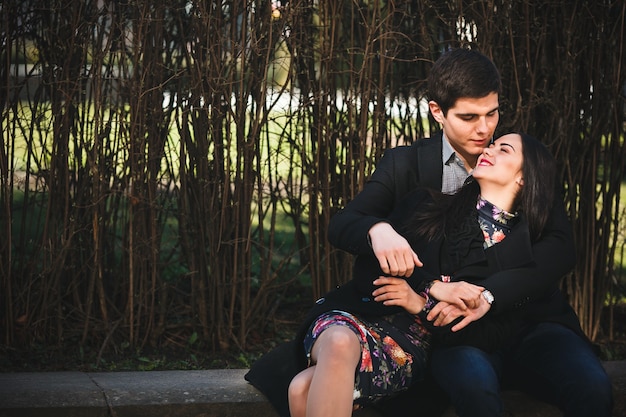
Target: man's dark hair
(460,73)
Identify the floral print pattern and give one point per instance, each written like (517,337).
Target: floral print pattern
(494,222)
(385,366)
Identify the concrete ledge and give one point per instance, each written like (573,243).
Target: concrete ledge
(209,393)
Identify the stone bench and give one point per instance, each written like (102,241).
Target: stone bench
(206,393)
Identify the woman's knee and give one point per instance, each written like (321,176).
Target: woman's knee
(337,344)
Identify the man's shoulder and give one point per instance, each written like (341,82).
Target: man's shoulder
(422,151)
(405,167)
(420,145)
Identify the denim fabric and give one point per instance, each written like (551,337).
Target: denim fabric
(551,363)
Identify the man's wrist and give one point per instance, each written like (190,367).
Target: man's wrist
(371,229)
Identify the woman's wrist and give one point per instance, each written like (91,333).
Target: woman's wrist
(430,301)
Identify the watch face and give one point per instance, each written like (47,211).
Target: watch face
(488,296)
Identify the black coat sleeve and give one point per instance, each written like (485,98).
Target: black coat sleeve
(554,256)
(394,176)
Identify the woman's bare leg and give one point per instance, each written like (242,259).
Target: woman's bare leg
(299,392)
(326,389)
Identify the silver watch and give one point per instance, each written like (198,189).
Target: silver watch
(488,296)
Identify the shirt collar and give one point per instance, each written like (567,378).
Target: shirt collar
(448,152)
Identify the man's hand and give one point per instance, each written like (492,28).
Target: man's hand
(393,252)
(462,294)
(444,313)
(397,292)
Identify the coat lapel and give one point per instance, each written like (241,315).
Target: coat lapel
(429,161)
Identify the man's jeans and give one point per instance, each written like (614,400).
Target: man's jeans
(552,363)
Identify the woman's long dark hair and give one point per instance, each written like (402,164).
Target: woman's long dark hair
(446,212)
(538,192)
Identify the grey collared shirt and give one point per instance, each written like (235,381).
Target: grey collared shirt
(454,172)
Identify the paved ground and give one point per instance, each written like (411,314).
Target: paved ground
(208,393)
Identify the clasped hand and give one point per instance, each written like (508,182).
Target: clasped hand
(456,299)
(396,258)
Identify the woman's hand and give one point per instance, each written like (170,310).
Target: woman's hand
(397,292)
(394,254)
(462,294)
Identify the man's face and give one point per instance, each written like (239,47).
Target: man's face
(469,125)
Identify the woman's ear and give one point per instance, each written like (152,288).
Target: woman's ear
(436,111)
(520,181)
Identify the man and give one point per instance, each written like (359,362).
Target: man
(550,360)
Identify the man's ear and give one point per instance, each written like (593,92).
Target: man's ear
(436,111)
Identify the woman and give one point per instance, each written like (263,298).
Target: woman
(369,339)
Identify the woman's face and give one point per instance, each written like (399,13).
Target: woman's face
(501,163)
